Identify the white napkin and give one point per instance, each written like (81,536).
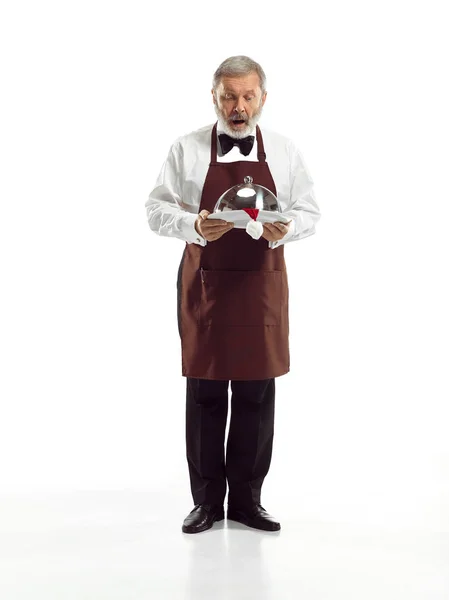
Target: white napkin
(254,229)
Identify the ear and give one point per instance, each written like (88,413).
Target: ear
(213,97)
(264,97)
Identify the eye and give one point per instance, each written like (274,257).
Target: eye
(249,98)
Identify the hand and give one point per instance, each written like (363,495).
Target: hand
(211,229)
(275,231)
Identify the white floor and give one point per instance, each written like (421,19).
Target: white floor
(128,545)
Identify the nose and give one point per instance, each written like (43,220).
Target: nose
(240,106)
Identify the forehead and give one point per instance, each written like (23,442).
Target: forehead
(246,83)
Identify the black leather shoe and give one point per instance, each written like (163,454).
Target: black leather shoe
(202,517)
(256,517)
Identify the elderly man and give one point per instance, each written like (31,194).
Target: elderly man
(232,292)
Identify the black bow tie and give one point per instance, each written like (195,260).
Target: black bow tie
(227,143)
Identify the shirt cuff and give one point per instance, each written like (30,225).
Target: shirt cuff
(189,232)
(287,236)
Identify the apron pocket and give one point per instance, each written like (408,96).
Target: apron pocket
(240,298)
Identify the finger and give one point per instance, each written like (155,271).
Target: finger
(215,222)
(274,232)
(216,236)
(268,234)
(217,233)
(215,228)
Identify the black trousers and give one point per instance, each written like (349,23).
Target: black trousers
(249,444)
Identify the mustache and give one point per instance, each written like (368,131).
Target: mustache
(239,117)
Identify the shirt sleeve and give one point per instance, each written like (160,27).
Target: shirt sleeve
(303,209)
(164,207)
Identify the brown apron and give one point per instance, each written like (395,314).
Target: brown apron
(233,292)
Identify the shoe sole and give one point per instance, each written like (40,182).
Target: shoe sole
(244,521)
(187,529)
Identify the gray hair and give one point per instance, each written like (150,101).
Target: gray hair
(239,66)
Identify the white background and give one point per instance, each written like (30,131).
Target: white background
(92,396)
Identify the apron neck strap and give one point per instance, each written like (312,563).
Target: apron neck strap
(261,156)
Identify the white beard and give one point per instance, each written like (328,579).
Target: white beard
(241,133)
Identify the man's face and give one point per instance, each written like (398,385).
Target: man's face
(238,103)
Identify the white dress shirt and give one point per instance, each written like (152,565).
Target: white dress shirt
(173,205)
